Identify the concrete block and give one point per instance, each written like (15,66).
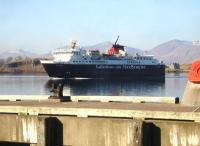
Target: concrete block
(101,131)
(18,128)
(173,133)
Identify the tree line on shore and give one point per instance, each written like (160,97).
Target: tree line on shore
(18,60)
(21,65)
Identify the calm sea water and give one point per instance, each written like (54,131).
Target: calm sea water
(173,85)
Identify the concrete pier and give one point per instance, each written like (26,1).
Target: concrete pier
(97,123)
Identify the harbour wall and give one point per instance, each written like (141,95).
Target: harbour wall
(67,131)
(34,123)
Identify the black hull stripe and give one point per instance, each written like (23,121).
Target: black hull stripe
(104,71)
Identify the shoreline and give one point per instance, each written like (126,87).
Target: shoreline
(176,71)
(184,68)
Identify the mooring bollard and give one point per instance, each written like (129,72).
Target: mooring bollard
(57,91)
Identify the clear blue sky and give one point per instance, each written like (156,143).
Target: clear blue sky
(41,25)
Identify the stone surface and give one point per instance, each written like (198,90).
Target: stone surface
(101,131)
(171,133)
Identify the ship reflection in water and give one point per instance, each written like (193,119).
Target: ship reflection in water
(109,87)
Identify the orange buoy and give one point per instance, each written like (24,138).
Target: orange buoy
(194,73)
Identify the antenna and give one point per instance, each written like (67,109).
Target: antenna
(73,44)
(116,39)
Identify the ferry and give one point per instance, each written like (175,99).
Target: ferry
(76,62)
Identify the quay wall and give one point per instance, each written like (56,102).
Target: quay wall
(55,130)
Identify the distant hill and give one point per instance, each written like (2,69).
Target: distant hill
(16,53)
(183,52)
(104,46)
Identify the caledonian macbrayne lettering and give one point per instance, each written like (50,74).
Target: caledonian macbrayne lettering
(120,67)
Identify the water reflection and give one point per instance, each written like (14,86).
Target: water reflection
(174,85)
(109,87)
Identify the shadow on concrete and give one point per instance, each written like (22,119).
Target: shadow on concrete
(151,135)
(54,132)
(13,144)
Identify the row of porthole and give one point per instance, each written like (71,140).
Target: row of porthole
(82,61)
(144,58)
(96,62)
(132,62)
(86,62)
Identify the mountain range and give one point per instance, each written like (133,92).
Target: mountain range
(183,52)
